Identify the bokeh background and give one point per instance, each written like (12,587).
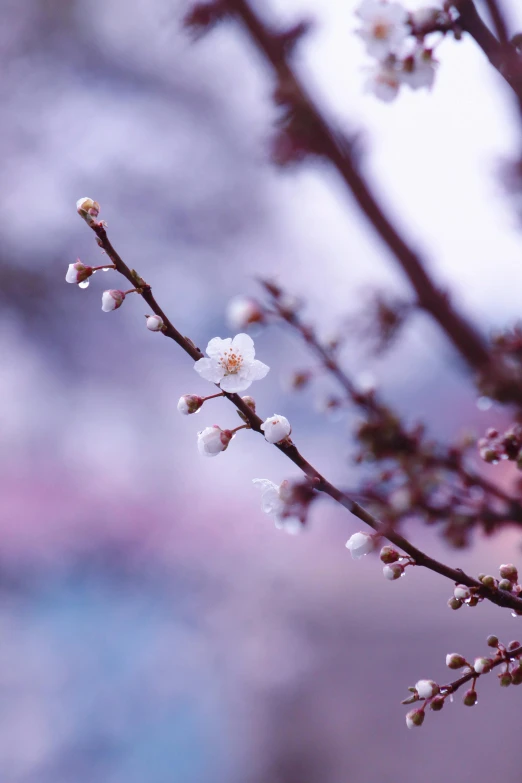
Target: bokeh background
(154,626)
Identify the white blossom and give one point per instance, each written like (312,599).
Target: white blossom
(231,363)
(78,272)
(426,689)
(384,27)
(462,592)
(213,440)
(189,403)
(276,428)
(360,544)
(383,81)
(273,504)
(154,323)
(482,665)
(393,571)
(243,311)
(112,299)
(418,70)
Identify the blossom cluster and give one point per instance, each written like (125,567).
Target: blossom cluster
(507,658)
(395,39)
(496,446)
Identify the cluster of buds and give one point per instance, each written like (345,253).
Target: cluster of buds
(471,596)
(396,39)
(507,658)
(496,446)
(395,564)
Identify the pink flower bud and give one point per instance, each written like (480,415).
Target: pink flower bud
(213,440)
(112,299)
(470,698)
(426,689)
(88,209)
(189,403)
(414,718)
(508,571)
(154,323)
(389,555)
(243,311)
(276,429)
(462,592)
(360,544)
(78,272)
(482,665)
(455,661)
(393,571)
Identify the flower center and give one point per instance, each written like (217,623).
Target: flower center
(231,362)
(380,31)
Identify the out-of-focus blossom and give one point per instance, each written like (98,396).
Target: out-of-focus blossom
(189,403)
(213,440)
(242,311)
(78,272)
(112,299)
(231,363)
(360,544)
(384,27)
(418,70)
(276,428)
(383,81)
(154,323)
(273,503)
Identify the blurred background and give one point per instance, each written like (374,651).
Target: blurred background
(154,626)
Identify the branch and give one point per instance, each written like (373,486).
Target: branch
(499,597)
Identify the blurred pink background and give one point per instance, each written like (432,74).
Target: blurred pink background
(154,626)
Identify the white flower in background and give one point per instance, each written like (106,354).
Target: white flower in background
(243,311)
(154,323)
(78,273)
(384,27)
(426,689)
(231,363)
(273,504)
(418,70)
(276,428)
(189,403)
(383,81)
(360,544)
(112,299)
(213,440)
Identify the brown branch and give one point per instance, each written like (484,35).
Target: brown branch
(467,340)
(456,575)
(499,23)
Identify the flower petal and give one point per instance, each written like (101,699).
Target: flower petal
(209,369)
(244,344)
(234,383)
(217,347)
(255,371)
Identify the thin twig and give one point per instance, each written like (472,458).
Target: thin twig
(456,575)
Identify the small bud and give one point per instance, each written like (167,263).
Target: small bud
(213,440)
(470,698)
(489,581)
(505,679)
(437,703)
(189,403)
(462,592)
(454,603)
(414,718)
(250,402)
(455,661)
(482,665)
(389,555)
(505,584)
(155,323)
(78,272)
(112,299)
(88,209)
(426,689)
(473,601)
(276,428)
(492,641)
(516,675)
(513,645)
(243,312)
(393,571)
(509,572)
(360,544)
